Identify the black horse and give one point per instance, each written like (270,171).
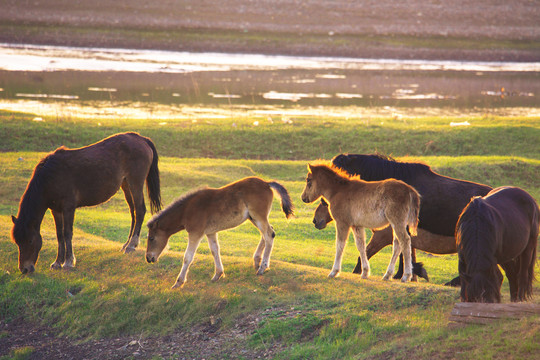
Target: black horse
(443,199)
(500,228)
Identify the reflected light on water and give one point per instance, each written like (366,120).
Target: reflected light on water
(56,58)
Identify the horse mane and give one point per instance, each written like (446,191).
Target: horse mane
(177,204)
(474,227)
(475,240)
(337,174)
(34,194)
(377,166)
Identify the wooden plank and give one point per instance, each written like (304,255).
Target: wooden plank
(484,313)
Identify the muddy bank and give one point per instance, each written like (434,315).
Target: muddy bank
(459,30)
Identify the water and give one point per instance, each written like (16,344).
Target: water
(64,73)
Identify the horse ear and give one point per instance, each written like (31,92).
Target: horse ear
(309,167)
(152,224)
(13,219)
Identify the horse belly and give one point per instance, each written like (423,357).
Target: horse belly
(92,197)
(224,220)
(370,220)
(433,243)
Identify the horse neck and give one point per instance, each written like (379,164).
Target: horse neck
(173,220)
(330,186)
(382,169)
(32,208)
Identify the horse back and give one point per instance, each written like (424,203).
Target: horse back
(213,210)
(518,213)
(503,221)
(443,200)
(92,174)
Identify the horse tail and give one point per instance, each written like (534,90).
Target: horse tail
(152,180)
(533,242)
(414,211)
(286,202)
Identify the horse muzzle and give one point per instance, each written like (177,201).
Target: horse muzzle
(151,258)
(28,269)
(319,225)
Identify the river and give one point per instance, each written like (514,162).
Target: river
(67,73)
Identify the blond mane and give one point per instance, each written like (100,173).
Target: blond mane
(329,168)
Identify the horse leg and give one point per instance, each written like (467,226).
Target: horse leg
(360,241)
(137,196)
(257,256)
(267,232)
(418,268)
(342,234)
(193,243)
(526,268)
(61,254)
(214,248)
(396,250)
(69,217)
(405,245)
(129,200)
(511,269)
(379,239)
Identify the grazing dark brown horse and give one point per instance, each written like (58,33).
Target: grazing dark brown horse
(499,228)
(359,204)
(443,199)
(207,211)
(67,179)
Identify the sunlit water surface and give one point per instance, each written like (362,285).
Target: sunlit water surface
(64,73)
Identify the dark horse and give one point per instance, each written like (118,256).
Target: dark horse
(499,228)
(443,199)
(67,179)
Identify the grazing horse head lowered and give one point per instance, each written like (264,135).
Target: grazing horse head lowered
(67,179)
(500,228)
(207,211)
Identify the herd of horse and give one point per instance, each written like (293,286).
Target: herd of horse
(405,204)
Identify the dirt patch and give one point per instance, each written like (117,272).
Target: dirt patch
(206,341)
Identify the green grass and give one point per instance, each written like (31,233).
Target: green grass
(304,138)
(110,294)
(19,354)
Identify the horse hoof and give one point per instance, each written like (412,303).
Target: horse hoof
(365,277)
(178,285)
(56,266)
(129,250)
(217,277)
(333,274)
(406,278)
(386,277)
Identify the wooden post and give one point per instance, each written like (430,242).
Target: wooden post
(484,313)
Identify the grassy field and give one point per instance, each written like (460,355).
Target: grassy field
(299,311)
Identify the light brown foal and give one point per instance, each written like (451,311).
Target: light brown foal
(207,211)
(359,204)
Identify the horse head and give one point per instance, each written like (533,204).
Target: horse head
(482,286)
(29,241)
(156,242)
(311,191)
(322,216)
